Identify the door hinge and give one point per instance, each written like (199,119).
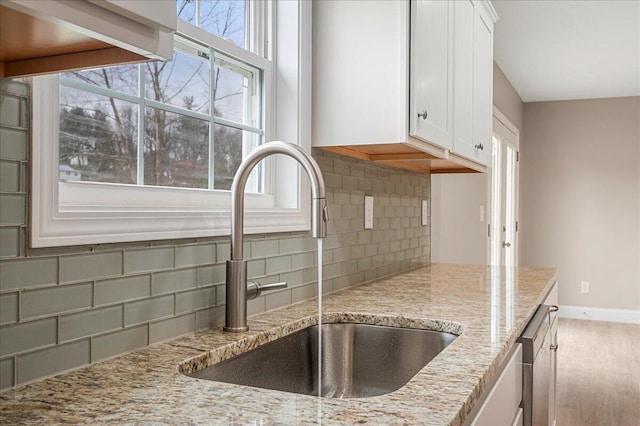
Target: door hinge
(517,156)
(489,230)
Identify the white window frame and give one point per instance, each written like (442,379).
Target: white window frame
(81,213)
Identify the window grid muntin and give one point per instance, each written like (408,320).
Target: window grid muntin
(250,10)
(253,74)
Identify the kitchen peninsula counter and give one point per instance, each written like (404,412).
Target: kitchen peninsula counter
(487,306)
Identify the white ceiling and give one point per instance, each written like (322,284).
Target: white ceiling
(576,49)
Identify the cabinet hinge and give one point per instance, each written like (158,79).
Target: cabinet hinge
(516,226)
(489,230)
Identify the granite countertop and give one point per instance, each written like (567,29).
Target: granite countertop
(488,306)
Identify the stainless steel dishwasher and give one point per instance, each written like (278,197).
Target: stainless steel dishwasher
(536,368)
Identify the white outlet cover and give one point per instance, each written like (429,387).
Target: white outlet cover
(368,212)
(584,286)
(424,215)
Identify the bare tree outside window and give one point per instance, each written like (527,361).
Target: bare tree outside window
(99,134)
(224,18)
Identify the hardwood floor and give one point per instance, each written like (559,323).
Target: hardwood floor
(598,373)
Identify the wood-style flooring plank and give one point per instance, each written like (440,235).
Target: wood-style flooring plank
(598,373)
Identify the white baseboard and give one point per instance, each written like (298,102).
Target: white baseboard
(599,314)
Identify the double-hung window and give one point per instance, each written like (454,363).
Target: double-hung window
(148,151)
(183,123)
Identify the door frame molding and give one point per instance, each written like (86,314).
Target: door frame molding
(498,115)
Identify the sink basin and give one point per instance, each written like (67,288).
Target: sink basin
(358,360)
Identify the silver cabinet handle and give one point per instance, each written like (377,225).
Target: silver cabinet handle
(255,289)
(505,244)
(554,348)
(479,146)
(423,114)
(553,308)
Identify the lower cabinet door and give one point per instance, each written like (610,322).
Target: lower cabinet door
(519,420)
(503,402)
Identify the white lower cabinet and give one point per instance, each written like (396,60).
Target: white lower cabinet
(552,300)
(519,420)
(502,403)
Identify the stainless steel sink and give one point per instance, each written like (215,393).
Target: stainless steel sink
(358,360)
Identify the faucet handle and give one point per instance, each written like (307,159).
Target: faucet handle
(255,289)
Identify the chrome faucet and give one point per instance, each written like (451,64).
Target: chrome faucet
(237,287)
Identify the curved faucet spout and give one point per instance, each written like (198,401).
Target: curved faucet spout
(236,287)
(319,214)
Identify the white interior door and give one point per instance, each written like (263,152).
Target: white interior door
(503,226)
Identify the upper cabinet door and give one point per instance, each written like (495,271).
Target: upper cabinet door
(431,106)
(360,72)
(463,77)
(473,81)
(482,86)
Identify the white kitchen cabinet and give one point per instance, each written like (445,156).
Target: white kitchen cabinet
(501,405)
(473,82)
(360,72)
(384,81)
(431,96)
(67,35)
(552,300)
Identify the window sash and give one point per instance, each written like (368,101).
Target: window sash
(213,58)
(112,218)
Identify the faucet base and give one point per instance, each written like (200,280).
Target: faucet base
(236,309)
(235,329)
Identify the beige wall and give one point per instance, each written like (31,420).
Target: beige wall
(506,99)
(580,197)
(457,235)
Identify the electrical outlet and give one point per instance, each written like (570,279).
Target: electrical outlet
(584,286)
(423,214)
(368,212)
